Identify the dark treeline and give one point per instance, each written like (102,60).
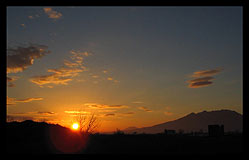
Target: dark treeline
(40,137)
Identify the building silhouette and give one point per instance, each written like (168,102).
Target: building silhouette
(169,132)
(215,130)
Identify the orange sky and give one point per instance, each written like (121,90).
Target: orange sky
(130,66)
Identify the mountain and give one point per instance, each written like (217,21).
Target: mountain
(130,128)
(231,120)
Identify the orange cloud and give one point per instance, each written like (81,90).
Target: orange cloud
(137,102)
(35,116)
(12,101)
(52,14)
(200,84)
(145,109)
(62,75)
(110,114)
(103,106)
(109,78)
(210,72)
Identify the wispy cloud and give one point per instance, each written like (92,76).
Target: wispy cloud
(46,113)
(20,58)
(145,109)
(52,13)
(204,78)
(127,113)
(119,114)
(209,72)
(35,116)
(137,102)
(76,112)
(65,74)
(34,16)
(12,101)
(200,84)
(28,100)
(103,106)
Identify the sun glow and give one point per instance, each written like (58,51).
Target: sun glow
(75,126)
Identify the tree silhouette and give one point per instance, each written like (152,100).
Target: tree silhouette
(87,123)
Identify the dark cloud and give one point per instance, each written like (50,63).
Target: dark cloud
(204,78)
(20,58)
(18,118)
(109,114)
(200,84)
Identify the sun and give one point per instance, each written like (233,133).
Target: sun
(75,126)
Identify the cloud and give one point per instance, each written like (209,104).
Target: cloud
(52,14)
(204,78)
(46,113)
(28,100)
(113,80)
(200,84)
(137,102)
(65,74)
(120,114)
(127,113)
(50,79)
(12,101)
(35,116)
(21,58)
(110,78)
(18,118)
(103,106)
(110,114)
(10,80)
(31,17)
(23,25)
(207,72)
(76,112)
(145,109)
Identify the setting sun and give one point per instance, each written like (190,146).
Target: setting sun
(75,126)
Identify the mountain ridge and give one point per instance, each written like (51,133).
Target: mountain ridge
(231,120)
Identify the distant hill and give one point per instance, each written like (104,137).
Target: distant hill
(231,120)
(40,137)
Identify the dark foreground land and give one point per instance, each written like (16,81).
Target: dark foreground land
(33,137)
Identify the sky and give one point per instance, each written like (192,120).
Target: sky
(130,66)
